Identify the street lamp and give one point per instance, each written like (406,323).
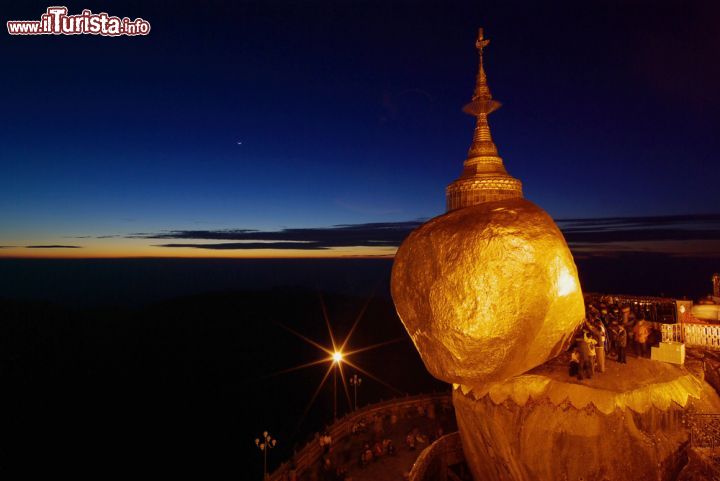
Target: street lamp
(264,444)
(337,358)
(355,381)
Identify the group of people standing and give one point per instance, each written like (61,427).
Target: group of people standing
(376,451)
(606,333)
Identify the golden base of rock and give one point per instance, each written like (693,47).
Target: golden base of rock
(625,424)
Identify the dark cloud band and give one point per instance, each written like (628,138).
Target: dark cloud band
(578,232)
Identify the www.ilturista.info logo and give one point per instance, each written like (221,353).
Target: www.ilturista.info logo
(56,21)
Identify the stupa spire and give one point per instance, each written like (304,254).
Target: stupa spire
(484,178)
(482,90)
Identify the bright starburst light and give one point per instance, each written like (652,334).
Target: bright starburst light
(337,356)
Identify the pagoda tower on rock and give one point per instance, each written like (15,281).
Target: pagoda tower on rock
(484,178)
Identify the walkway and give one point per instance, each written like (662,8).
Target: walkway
(395,467)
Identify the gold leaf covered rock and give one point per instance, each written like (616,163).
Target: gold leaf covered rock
(487,292)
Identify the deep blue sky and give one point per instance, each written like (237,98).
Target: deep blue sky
(349,113)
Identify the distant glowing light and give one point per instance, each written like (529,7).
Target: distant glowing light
(338,357)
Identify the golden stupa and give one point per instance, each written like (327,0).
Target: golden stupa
(484,177)
(488,290)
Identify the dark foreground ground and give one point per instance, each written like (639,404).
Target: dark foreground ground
(183,386)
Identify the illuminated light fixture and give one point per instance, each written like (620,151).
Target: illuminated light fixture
(338,357)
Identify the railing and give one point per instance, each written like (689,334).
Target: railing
(693,335)
(705,430)
(702,335)
(308,456)
(671,332)
(436,458)
(654,309)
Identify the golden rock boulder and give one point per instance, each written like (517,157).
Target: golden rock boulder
(487,292)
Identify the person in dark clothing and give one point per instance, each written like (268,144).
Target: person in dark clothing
(574,368)
(621,344)
(586,368)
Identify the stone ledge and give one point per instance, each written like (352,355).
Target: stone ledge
(662,386)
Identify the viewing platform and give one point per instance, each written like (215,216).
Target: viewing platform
(426,414)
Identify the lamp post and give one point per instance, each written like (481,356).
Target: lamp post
(264,444)
(355,381)
(337,359)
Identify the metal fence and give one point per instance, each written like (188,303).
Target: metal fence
(703,335)
(653,309)
(693,335)
(671,332)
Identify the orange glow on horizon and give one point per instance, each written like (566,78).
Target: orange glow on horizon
(124,251)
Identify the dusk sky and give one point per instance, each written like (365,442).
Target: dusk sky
(257,128)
